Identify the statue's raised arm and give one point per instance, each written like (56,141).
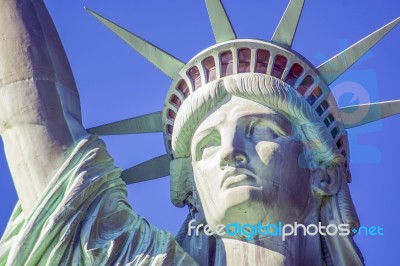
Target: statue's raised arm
(40,118)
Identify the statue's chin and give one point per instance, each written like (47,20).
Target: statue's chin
(242,194)
(244,204)
(247,204)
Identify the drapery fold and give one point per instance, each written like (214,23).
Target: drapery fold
(84,219)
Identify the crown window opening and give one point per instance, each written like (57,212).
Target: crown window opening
(209,66)
(171,114)
(226,63)
(244,55)
(194,75)
(262,59)
(170,129)
(328,120)
(317,92)
(340,143)
(175,101)
(170,144)
(334,132)
(183,88)
(305,85)
(294,73)
(311,99)
(322,108)
(279,66)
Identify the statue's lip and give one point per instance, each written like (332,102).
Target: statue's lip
(239,177)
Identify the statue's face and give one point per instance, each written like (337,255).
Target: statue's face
(247,166)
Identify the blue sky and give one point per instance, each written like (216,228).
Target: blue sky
(116,83)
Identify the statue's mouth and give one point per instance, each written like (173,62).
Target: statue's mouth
(236,177)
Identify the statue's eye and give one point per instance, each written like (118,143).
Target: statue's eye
(208,145)
(261,130)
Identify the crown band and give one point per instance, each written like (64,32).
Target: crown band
(254,56)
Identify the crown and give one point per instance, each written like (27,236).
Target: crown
(232,56)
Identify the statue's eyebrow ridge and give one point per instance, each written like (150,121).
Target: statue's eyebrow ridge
(213,123)
(282,123)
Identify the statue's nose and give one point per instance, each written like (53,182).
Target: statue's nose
(233,154)
(233,146)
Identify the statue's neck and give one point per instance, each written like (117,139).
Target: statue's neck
(296,250)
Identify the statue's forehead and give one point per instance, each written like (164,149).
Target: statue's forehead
(238,108)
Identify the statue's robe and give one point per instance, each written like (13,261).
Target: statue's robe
(84,218)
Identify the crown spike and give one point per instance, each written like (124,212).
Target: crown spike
(161,59)
(357,115)
(284,33)
(220,23)
(337,65)
(142,124)
(152,169)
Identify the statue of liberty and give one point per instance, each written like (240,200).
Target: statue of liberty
(252,134)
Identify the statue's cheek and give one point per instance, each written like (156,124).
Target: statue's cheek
(281,155)
(268,151)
